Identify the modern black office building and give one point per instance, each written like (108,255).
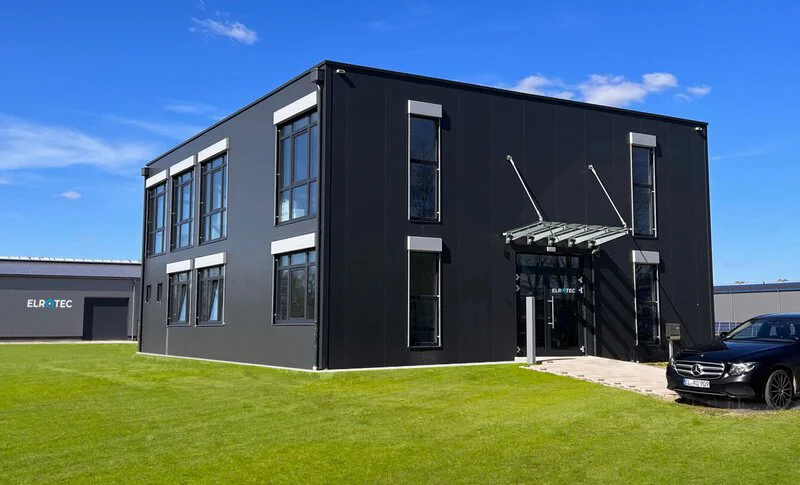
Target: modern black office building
(76,299)
(356,217)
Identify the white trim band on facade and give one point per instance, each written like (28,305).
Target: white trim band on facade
(181,166)
(642,140)
(179,266)
(214,149)
(155,179)
(429,244)
(297,243)
(295,108)
(424,109)
(645,257)
(210,260)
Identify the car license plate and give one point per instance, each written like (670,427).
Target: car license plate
(696,383)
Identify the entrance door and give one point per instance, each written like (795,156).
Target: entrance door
(556,283)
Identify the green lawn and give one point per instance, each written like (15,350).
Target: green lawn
(100,413)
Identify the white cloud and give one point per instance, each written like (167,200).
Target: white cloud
(176,131)
(699,91)
(71,195)
(195,109)
(233,30)
(26,145)
(607,90)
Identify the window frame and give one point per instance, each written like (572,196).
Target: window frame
(177,189)
(438,165)
(152,197)
(198,300)
(275,298)
(170,300)
(203,216)
(657,337)
(438,298)
(309,180)
(653,234)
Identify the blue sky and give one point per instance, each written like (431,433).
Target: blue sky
(91,90)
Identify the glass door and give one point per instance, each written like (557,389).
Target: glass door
(556,283)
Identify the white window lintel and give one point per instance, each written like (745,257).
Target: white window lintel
(214,149)
(645,257)
(295,108)
(427,244)
(291,244)
(217,259)
(424,109)
(155,179)
(179,266)
(642,140)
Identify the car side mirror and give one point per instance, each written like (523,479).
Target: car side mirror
(722,335)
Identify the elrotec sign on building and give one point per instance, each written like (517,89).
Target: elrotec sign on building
(70,299)
(50,303)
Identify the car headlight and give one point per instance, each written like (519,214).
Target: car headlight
(741,368)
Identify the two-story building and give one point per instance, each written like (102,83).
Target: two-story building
(356,217)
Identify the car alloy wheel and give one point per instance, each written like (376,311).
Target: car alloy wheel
(779,390)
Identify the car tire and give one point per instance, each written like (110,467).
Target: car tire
(779,390)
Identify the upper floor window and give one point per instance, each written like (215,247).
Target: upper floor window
(296,287)
(178,303)
(156,207)
(214,199)
(182,210)
(648,327)
(644,191)
(423,168)
(210,295)
(298,163)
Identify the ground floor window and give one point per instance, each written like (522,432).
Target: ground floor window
(296,287)
(178,304)
(648,328)
(423,305)
(210,295)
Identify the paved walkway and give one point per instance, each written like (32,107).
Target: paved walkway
(645,379)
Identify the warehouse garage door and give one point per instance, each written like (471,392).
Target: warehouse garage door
(105,319)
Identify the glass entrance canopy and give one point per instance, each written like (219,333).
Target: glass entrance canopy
(565,234)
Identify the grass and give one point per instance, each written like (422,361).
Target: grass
(100,414)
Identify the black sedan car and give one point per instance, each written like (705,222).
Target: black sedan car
(759,359)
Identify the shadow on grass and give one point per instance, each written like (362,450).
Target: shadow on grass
(731,404)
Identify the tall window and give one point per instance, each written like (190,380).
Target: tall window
(210,294)
(178,304)
(647,317)
(156,205)
(644,192)
(423,291)
(214,199)
(298,161)
(424,169)
(182,210)
(296,287)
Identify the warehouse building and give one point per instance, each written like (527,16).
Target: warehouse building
(356,217)
(47,298)
(733,304)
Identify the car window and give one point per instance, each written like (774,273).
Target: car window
(766,328)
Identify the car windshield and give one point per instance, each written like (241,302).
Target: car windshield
(766,328)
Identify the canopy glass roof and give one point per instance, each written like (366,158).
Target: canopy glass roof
(566,234)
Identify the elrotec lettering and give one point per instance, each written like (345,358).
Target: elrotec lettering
(49,303)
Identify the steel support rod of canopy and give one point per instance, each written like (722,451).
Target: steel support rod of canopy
(591,169)
(524,186)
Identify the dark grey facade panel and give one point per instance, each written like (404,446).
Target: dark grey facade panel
(25,312)
(553,143)
(248,334)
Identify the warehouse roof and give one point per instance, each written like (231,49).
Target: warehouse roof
(68,267)
(758,287)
